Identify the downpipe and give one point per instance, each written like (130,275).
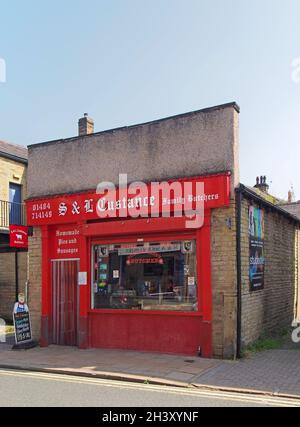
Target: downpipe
(239,198)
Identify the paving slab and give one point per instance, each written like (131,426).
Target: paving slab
(159,368)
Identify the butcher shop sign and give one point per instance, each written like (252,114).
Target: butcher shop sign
(18,236)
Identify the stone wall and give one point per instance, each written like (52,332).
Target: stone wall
(272,309)
(8,281)
(198,143)
(224,279)
(268,311)
(297,295)
(35,279)
(12,171)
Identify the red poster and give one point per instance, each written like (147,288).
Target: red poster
(18,236)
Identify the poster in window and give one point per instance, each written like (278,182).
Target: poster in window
(256,240)
(103,250)
(187,247)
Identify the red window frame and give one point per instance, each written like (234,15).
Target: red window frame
(149,238)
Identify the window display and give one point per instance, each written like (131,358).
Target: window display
(145,276)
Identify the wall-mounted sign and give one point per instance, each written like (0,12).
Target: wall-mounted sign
(152,259)
(82,278)
(256,246)
(65,243)
(136,250)
(18,236)
(86,206)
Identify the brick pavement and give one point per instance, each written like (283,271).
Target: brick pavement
(275,371)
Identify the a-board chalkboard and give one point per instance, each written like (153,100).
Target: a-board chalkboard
(22,327)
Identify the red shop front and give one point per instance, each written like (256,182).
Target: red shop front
(139,284)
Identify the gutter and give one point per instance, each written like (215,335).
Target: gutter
(13,157)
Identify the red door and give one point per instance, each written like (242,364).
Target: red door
(65,302)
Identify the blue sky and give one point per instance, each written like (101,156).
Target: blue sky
(131,61)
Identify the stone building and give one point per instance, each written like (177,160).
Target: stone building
(13,192)
(153,283)
(293,208)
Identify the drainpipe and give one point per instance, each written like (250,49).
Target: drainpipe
(239,198)
(17,274)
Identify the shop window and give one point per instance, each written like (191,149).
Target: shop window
(146,276)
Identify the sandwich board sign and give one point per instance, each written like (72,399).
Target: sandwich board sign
(22,322)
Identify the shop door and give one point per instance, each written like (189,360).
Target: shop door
(65,302)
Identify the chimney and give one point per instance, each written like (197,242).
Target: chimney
(261,184)
(85,125)
(291,195)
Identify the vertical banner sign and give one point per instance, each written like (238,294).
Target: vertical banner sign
(256,240)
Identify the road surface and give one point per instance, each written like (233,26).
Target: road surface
(33,389)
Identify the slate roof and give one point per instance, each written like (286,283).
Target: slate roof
(13,151)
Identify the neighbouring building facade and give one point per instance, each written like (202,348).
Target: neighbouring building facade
(294,208)
(269,300)
(13,192)
(154,283)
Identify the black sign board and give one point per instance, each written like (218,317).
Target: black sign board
(22,327)
(257,262)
